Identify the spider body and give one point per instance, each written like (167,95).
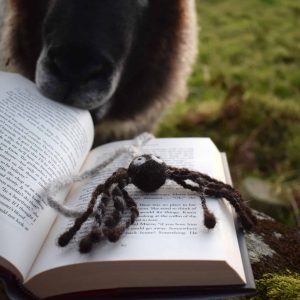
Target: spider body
(148,173)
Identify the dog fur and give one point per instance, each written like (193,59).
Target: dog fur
(137,107)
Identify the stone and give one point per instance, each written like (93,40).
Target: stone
(262,197)
(273,247)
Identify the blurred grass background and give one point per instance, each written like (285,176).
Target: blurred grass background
(245,92)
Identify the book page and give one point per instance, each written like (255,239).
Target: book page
(40,140)
(170,224)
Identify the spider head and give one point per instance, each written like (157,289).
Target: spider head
(147,172)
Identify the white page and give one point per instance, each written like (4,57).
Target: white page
(168,228)
(40,140)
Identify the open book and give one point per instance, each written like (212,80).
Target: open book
(167,249)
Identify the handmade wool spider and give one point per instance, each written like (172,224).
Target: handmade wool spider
(148,173)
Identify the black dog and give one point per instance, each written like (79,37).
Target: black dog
(125,61)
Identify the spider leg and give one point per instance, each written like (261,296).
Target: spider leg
(222,190)
(112,224)
(208,216)
(131,204)
(109,211)
(96,234)
(214,188)
(116,211)
(113,234)
(65,238)
(101,208)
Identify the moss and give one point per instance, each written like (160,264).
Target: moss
(245,95)
(278,287)
(270,127)
(255,46)
(284,241)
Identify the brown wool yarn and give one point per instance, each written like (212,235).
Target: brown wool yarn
(146,173)
(116,210)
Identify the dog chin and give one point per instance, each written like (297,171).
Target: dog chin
(90,100)
(85,96)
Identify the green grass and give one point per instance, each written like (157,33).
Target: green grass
(245,88)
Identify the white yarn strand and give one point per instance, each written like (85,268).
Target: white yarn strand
(133,150)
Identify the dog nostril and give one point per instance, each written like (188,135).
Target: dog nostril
(95,74)
(53,63)
(78,64)
(98,71)
(51,53)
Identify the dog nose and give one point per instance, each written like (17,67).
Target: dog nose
(77,63)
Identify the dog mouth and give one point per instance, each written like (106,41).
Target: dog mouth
(92,91)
